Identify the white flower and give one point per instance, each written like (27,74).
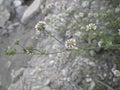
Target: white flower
(64,72)
(91,26)
(39,27)
(78,33)
(57,5)
(81,14)
(88,79)
(100,43)
(70,44)
(50,5)
(118,31)
(116,72)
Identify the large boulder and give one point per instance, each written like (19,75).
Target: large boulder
(32,10)
(4,16)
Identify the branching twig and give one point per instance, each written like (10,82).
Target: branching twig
(104,84)
(54,37)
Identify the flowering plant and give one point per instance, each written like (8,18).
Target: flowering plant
(68,18)
(78,33)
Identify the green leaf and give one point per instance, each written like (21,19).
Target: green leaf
(16,42)
(10,52)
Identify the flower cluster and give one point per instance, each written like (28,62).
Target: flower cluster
(40,26)
(91,26)
(70,44)
(116,72)
(100,43)
(118,31)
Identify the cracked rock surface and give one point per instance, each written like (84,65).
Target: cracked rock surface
(54,71)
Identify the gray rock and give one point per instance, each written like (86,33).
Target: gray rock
(20,11)
(62,71)
(0,81)
(94,5)
(31,10)
(92,53)
(103,8)
(42,74)
(4,16)
(47,82)
(5,33)
(46,88)
(90,14)
(8,64)
(85,4)
(17,87)
(16,75)
(17,3)
(117,10)
(3,88)
(12,26)
(1,1)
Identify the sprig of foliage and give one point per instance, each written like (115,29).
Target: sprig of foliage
(10,51)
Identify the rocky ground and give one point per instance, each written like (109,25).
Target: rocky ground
(60,71)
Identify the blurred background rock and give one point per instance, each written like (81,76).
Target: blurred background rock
(17,20)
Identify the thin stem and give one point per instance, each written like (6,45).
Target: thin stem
(112,47)
(43,54)
(55,52)
(104,84)
(22,47)
(54,37)
(86,48)
(36,50)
